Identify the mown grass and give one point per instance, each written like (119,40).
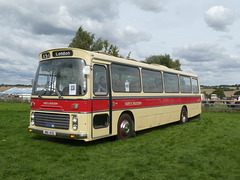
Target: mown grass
(205,148)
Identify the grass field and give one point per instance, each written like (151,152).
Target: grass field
(205,148)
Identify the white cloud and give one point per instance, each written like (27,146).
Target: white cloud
(219,17)
(210,61)
(29,28)
(51,17)
(132,25)
(200,52)
(150,5)
(130,36)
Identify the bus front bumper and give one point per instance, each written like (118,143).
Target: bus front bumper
(58,134)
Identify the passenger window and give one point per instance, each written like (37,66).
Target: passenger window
(125,79)
(152,81)
(195,86)
(171,83)
(185,84)
(99,80)
(100,121)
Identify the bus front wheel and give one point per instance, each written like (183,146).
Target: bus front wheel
(125,127)
(183,116)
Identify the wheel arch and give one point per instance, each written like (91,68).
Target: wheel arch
(185,106)
(131,115)
(183,116)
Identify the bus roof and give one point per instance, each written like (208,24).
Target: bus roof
(75,52)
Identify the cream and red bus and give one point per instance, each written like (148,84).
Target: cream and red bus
(85,95)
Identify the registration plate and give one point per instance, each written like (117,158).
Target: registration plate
(51,133)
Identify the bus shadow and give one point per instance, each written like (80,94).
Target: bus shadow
(145,131)
(73,142)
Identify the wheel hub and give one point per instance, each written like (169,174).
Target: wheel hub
(183,116)
(125,128)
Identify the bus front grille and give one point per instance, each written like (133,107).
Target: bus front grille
(52,120)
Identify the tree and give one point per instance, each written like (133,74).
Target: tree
(206,94)
(98,45)
(113,50)
(219,93)
(164,60)
(105,45)
(237,93)
(129,55)
(82,40)
(86,40)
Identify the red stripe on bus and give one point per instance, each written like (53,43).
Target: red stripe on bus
(96,105)
(61,105)
(152,102)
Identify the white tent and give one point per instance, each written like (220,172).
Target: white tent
(22,93)
(18,91)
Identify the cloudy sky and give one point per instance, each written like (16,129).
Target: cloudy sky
(203,35)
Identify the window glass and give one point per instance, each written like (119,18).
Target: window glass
(171,83)
(100,121)
(60,77)
(185,84)
(195,86)
(152,81)
(125,79)
(99,80)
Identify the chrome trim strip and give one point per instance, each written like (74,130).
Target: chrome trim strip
(63,112)
(146,97)
(98,137)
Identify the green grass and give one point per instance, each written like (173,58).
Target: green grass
(206,148)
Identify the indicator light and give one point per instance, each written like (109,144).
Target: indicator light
(32,104)
(74,106)
(73,136)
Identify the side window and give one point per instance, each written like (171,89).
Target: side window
(152,81)
(100,121)
(185,84)
(125,79)
(99,80)
(195,86)
(171,83)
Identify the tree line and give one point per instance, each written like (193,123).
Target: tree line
(219,92)
(15,85)
(87,41)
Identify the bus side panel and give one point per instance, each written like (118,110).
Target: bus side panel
(194,109)
(156,116)
(115,116)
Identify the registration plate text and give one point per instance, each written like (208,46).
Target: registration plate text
(51,133)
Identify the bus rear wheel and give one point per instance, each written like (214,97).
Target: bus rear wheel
(125,127)
(183,116)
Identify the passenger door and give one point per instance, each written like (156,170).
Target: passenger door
(101,101)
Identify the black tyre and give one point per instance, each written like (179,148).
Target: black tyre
(125,127)
(183,116)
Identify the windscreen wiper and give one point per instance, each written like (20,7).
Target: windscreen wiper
(39,96)
(58,93)
(41,93)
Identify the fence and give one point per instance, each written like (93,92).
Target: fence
(15,98)
(221,105)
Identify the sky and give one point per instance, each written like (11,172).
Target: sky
(203,35)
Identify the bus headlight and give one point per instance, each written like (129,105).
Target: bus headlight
(75,123)
(32,119)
